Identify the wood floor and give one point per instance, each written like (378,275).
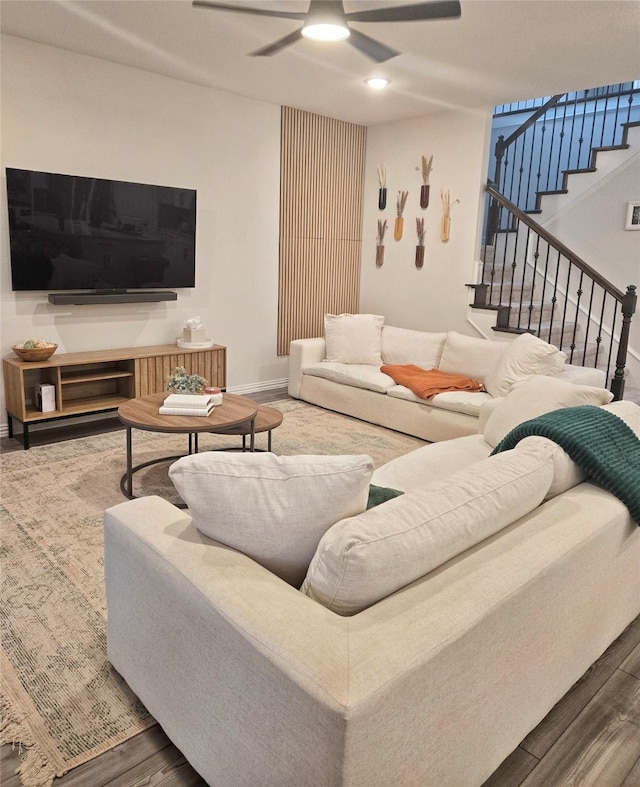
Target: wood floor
(591,738)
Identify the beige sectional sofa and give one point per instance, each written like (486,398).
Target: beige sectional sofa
(345,376)
(431,634)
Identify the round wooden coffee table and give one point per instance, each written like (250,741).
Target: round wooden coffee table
(267,419)
(235,413)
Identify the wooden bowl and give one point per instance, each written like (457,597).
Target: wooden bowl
(35,353)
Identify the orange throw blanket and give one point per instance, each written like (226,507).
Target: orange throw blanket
(426,383)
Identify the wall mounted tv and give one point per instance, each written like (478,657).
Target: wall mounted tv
(76,233)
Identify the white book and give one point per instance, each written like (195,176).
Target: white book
(188,401)
(168,410)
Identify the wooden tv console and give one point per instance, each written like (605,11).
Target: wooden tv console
(93,382)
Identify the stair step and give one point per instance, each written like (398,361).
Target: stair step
(516,293)
(560,335)
(622,146)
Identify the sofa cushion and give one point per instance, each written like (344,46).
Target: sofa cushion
(272,508)
(355,374)
(402,346)
(354,338)
(535,396)
(465,402)
(525,356)
(431,462)
(363,559)
(470,356)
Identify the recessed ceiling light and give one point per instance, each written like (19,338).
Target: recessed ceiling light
(377,83)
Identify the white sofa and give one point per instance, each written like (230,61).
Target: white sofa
(433,685)
(361,390)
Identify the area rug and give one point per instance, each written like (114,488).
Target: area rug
(61,701)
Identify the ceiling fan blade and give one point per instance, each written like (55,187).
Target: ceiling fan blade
(245,10)
(276,46)
(439,9)
(370,47)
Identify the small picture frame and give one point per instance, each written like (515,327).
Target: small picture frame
(633,216)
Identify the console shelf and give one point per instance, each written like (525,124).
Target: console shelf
(94,382)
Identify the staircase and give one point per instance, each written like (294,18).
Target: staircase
(529,278)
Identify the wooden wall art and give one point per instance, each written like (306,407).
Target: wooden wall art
(401,201)
(445,222)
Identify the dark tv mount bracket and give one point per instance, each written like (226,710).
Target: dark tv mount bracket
(110,296)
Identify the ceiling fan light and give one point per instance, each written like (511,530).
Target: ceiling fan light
(325,32)
(377,83)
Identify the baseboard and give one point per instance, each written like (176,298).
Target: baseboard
(242,390)
(271,385)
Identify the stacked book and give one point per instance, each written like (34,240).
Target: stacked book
(188,404)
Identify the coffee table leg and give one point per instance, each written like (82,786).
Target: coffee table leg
(129,486)
(269,440)
(252,442)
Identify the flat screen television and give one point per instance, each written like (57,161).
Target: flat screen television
(76,233)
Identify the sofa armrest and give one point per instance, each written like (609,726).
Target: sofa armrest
(486,408)
(303,352)
(225,655)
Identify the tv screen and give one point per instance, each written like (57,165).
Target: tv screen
(74,233)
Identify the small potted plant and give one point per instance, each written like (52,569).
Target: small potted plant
(182,383)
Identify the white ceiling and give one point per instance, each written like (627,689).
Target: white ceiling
(498,51)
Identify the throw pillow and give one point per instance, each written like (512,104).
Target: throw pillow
(537,395)
(353,338)
(470,356)
(361,560)
(272,508)
(380,494)
(525,356)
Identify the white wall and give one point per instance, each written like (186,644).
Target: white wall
(64,112)
(432,298)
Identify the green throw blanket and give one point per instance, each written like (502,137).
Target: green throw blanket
(599,442)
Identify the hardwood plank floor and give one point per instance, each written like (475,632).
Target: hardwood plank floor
(591,738)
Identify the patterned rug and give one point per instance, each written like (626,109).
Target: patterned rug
(61,700)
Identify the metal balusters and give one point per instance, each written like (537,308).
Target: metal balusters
(525,276)
(569,124)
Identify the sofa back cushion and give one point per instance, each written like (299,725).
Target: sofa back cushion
(403,346)
(272,508)
(353,338)
(363,559)
(525,356)
(566,473)
(535,396)
(470,356)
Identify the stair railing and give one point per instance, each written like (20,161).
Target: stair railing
(541,286)
(561,136)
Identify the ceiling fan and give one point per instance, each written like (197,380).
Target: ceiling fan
(326,20)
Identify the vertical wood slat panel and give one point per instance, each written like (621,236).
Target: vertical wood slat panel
(321,193)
